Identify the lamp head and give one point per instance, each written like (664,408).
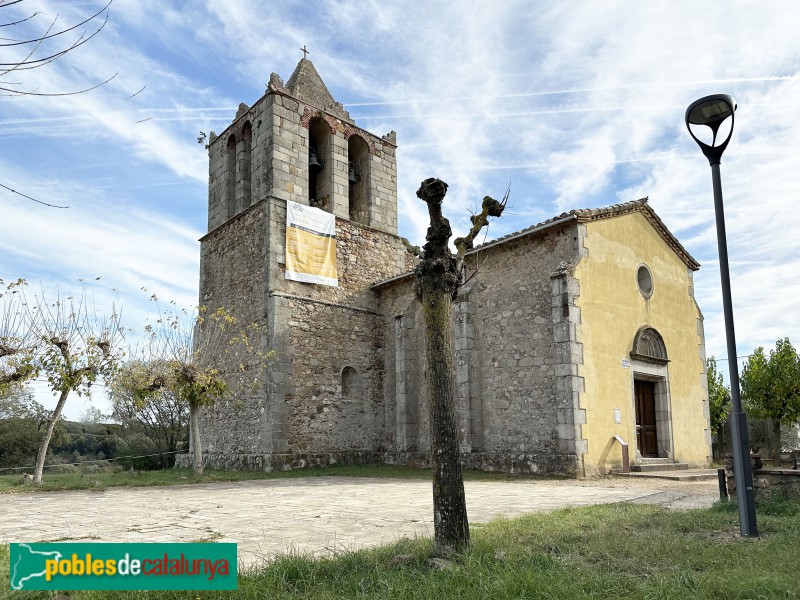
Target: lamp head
(711,111)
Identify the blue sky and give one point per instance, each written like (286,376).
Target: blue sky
(575,104)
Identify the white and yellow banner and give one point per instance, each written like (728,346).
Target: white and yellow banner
(310,245)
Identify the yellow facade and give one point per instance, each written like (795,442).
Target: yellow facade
(613,309)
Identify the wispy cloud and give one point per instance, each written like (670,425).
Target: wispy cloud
(576,105)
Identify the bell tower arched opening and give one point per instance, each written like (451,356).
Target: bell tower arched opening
(230,178)
(319,164)
(358,155)
(243,160)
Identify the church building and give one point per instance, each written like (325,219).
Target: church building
(577,337)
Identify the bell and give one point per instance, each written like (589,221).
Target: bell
(314,163)
(352,176)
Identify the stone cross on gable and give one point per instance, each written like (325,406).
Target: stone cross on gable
(305,51)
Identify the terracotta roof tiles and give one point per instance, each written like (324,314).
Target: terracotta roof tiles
(583,215)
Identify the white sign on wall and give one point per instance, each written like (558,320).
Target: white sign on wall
(310,245)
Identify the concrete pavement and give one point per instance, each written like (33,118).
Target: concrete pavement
(316,515)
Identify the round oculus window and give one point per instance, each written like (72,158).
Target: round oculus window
(645,281)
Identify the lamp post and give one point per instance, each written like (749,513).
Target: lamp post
(712,111)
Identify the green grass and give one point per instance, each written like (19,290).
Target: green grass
(611,551)
(100,481)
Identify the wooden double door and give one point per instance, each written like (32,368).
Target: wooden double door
(646,436)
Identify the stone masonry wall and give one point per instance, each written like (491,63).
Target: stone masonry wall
(232,277)
(255,168)
(315,332)
(511,406)
(320,330)
(515,338)
(405,371)
(566,317)
(364,256)
(277,165)
(332,410)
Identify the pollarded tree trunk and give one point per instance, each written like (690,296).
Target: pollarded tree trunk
(194,439)
(48,435)
(451,527)
(437,279)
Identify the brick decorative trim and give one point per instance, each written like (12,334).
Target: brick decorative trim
(237,130)
(311,113)
(350,131)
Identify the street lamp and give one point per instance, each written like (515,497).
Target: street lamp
(712,111)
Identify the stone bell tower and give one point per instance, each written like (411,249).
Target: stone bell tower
(297,143)
(324,389)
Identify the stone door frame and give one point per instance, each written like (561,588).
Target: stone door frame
(659,375)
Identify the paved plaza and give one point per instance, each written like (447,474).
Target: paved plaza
(317,515)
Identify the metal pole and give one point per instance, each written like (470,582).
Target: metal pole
(723,484)
(741,444)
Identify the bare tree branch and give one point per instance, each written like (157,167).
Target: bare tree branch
(83,91)
(28,62)
(63,31)
(5,4)
(29,198)
(489,208)
(137,93)
(21,20)
(17,344)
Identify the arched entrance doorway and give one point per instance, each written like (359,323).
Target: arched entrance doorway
(651,397)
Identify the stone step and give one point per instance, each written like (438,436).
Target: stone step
(684,475)
(649,467)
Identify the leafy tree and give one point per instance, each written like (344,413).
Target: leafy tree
(86,441)
(65,341)
(17,345)
(155,424)
(22,420)
(74,348)
(197,357)
(437,279)
(719,399)
(93,416)
(16,401)
(771,387)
